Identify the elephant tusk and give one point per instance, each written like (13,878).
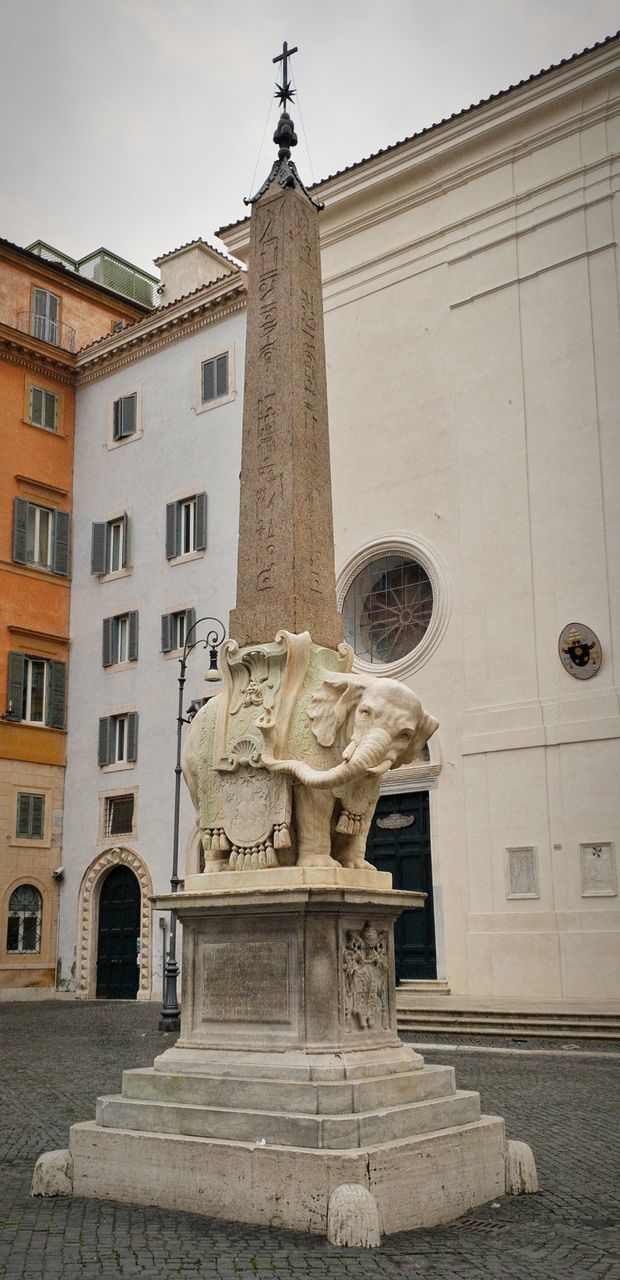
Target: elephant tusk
(380,769)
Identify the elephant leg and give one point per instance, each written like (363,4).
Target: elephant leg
(313,811)
(350,851)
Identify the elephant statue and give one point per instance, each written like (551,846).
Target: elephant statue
(375,725)
(284,766)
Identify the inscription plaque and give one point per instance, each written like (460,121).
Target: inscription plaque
(245,982)
(522,872)
(598,870)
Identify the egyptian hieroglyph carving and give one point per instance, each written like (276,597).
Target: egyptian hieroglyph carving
(364,972)
(285,765)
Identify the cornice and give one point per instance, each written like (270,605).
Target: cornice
(38,635)
(62,278)
(372,179)
(26,351)
(155,335)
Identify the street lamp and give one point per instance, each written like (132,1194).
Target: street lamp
(171,1013)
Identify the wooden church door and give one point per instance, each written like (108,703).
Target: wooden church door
(118,973)
(399,841)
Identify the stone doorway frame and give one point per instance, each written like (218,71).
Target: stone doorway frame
(88,919)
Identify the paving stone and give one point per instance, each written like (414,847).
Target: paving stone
(57,1057)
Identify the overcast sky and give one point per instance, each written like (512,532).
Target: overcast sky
(137,124)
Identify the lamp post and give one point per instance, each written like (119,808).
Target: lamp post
(171,1013)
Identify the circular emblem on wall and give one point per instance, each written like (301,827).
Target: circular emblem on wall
(580,651)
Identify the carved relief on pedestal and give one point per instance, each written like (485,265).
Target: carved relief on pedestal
(364,979)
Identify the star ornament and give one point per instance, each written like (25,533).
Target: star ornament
(284,93)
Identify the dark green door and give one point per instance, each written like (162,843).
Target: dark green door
(119,930)
(399,841)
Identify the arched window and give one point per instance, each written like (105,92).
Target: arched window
(24,925)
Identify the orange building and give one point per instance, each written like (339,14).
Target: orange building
(48,311)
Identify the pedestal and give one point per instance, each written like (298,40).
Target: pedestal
(289,1079)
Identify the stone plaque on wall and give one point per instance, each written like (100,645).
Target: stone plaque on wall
(522,872)
(246,982)
(598,870)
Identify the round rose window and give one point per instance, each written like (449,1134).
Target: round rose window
(387,609)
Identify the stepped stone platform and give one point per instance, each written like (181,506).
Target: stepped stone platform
(289,1080)
(428,1010)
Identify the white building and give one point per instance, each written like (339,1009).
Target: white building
(473,350)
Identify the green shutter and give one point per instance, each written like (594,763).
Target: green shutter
(56,695)
(201,521)
(132,639)
(50,402)
(36,406)
(117,422)
(208,381)
(24,819)
(129,415)
(105,734)
(221,375)
(125,541)
(37,826)
(190,618)
(20,526)
(60,542)
(132,736)
(97,553)
(15,692)
(108,642)
(166,639)
(172,542)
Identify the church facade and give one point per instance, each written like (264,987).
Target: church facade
(472,334)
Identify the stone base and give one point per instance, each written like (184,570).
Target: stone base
(416,1182)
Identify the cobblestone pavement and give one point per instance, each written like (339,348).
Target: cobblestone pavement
(55,1057)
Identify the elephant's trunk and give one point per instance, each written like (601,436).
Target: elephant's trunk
(368,757)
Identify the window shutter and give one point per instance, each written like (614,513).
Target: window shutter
(60,550)
(97,554)
(166,641)
(117,420)
(221,375)
(20,524)
(201,521)
(15,692)
(190,618)
(37,809)
(128,424)
(171,530)
(36,405)
(50,402)
(56,695)
(107,642)
(132,735)
(24,808)
(125,540)
(208,381)
(105,735)
(132,642)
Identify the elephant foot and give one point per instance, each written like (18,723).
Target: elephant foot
(316,860)
(357,864)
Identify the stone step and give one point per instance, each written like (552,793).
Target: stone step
(298,1096)
(596,1027)
(342,1132)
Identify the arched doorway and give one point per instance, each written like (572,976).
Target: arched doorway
(118,972)
(399,841)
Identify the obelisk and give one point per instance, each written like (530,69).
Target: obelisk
(285,574)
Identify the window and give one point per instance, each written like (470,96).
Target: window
(110,546)
(40,536)
(174,629)
(43,408)
(45,316)
(120,639)
(186,525)
(36,690)
(125,417)
(119,815)
(214,378)
(118,739)
(24,923)
(30,821)
(387,609)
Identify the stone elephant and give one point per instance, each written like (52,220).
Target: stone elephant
(360,727)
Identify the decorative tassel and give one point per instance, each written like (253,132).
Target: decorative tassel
(207,837)
(232,861)
(224,841)
(285,837)
(342,824)
(247,864)
(262,858)
(271,857)
(215,843)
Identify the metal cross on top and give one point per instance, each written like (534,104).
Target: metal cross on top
(283,92)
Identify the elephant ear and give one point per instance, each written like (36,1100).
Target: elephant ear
(331,705)
(425,729)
